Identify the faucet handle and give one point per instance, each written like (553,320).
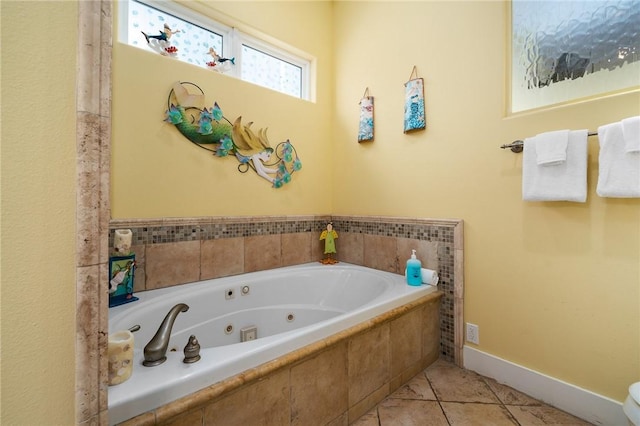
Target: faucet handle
(192,350)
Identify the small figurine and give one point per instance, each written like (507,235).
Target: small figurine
(329,236)
(217,60)
(160,43)
(164,35)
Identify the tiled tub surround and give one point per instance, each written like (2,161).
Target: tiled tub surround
(397,344)
(333,381)
(177,251)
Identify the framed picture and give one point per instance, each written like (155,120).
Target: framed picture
(414,114)
(365,129)
(121,275)
(563,51)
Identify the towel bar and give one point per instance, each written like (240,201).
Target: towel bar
(518,146)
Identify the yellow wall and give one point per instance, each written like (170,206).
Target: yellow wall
(156,172)
(38,212)
(552,286)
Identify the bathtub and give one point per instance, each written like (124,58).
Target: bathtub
(287,308)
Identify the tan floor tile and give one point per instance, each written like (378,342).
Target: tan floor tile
(416,388)
(451,383)
(473,414)
(368,419)
(510,396)
(404,412)
(543,415)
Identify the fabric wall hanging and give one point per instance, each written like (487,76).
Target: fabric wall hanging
(365,131)
(414,116)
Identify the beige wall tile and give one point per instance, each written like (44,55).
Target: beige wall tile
(265,402)
(317,246)
(426,252)
(140,275)
(406,341)
(262,252)
(172,263)
(369,358)
(87,196)
(349,248)
(296,248)
(190,418)
(319,387)
(370,401)
(380,252)
(88,319)
(431,331)
(143,419)
(221,258)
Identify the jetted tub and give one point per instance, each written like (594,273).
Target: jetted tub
(289,307)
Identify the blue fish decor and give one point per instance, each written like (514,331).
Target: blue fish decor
(209,129)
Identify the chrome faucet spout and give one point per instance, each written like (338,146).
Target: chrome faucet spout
(156,350)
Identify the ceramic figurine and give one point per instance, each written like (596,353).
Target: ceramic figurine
(218,62)
(160,43)
(329,236)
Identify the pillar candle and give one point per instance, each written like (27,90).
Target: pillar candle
(122,242)
(120,355)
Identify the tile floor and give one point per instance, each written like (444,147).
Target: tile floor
(445,394)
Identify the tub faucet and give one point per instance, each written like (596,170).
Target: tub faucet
(156,350)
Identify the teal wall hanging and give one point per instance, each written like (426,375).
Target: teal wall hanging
(414,114)
(209,129)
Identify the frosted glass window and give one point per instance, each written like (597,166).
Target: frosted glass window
(193,42)
(266,70)
(564,50)
(256,61)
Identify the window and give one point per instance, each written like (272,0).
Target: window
(193,35)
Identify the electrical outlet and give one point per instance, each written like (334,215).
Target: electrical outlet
(473,333)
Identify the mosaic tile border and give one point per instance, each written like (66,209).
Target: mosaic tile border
(158,231)
(448,233)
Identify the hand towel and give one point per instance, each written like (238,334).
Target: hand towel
(429,276)
(631,133)
(562,182)
(619,171)
(551,147)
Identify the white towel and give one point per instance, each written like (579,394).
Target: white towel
(631,133)
(619,175)
(562,182)
(429,276)
(551,147)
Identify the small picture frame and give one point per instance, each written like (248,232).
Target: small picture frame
(121,278)
(414,114)
(365,129)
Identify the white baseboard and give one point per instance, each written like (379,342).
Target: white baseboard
(594,408)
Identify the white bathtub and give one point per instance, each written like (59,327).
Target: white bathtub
(291,308)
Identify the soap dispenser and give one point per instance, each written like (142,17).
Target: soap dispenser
(414,270)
